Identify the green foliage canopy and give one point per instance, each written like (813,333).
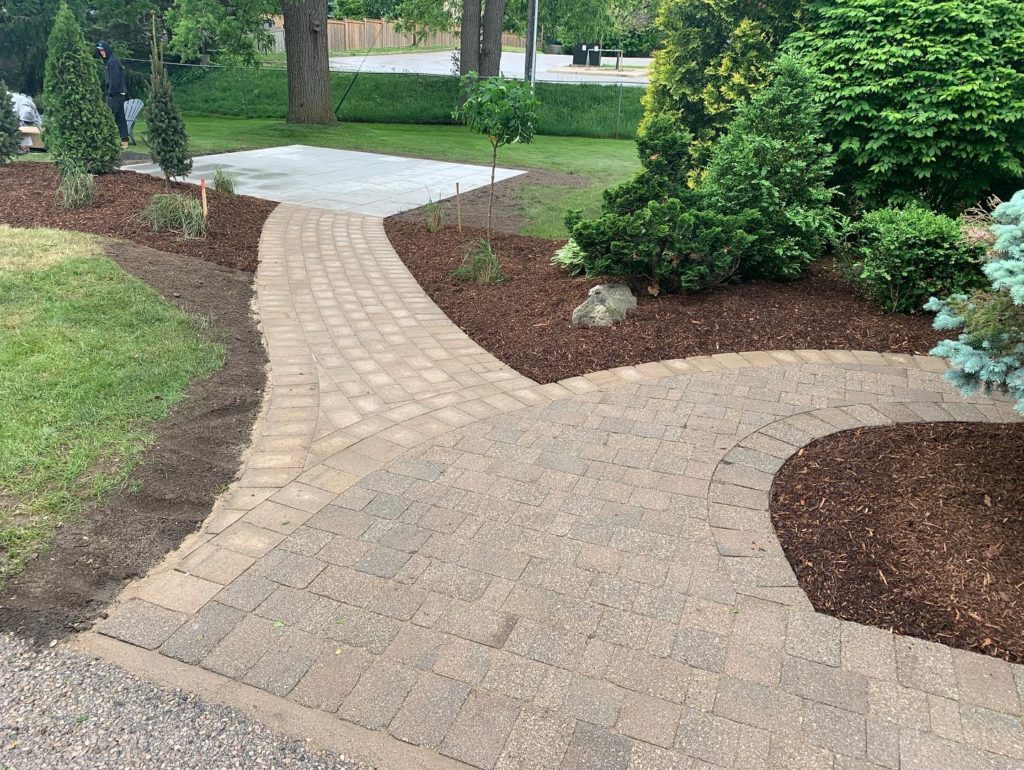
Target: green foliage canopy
(10,136)
(775,160)
(989,353)
(899,257)
(924,99)
(715,53)
(80,129)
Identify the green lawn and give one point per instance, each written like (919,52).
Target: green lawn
(601,162)
(89,357)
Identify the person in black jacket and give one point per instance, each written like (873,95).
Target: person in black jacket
(115,88)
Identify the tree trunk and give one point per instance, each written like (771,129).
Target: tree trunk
(490,50)
(305,42)
(469,37)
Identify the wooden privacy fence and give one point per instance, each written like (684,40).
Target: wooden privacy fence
(362,34)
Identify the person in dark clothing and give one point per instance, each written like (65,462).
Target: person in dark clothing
(115,88)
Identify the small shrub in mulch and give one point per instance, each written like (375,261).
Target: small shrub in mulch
(525,320)
(28,199)
(915,528)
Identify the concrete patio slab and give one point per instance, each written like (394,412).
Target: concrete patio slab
(340,180)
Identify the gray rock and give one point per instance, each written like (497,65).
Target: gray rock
(606,304)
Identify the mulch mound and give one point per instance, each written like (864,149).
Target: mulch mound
(27,199)
(525,320)
(915,528)
(196,452)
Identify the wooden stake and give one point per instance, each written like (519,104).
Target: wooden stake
(458,209)
(202,194)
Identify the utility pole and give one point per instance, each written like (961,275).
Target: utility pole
(531,44)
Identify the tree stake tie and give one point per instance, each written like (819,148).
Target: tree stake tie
(202,194)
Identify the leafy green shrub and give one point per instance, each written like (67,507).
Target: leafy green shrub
(177,213)
(479,264)
(899,257)
(76,188)
(664,150)
(80,129)
(715,55)
(224,181)
(165,130)
(10,136)
(675,245)
(989,353)
(923,99)
(774,161)
(570,258)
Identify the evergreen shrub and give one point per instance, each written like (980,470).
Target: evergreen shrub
(79,128)
(899,257)
(989,353)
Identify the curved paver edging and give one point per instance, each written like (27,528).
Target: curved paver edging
(553,576)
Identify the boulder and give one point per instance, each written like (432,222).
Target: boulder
(606,304)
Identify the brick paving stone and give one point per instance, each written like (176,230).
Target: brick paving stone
(836,730)
(699,648)
(926,666)
(538,741)
(379,693)
(595,701)
(143,624)
(332,677)
(814,636)
(281,667)
(196,639)
(993,731)
(825,684)
(361,628)
(649,719)
(429,710)
(985,681)
(244,646)
(594,748)
(868,651)
(477,623)
(481,729)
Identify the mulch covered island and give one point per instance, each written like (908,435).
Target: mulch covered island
(915,528)
(27,199)
(525,320)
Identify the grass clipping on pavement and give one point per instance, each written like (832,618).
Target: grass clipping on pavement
(89,357)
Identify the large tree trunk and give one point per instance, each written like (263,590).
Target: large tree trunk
(305,42)
(490,49)
(469,37)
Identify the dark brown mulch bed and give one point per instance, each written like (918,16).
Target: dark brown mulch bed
(27,200)
(525,321)
(196,452)
(915,528)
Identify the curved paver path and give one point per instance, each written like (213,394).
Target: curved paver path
(481,570)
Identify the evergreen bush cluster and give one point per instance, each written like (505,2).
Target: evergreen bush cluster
(924,99)
(80,129)
(763,211)
(10,136)
(899,257)
(989,353)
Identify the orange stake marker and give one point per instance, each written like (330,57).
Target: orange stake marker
(202,194)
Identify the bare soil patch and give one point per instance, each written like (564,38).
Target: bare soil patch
(508,214)
(196,453)
(915,528)
(525,320)
(27,200)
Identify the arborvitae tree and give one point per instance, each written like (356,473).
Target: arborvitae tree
(9,134)
(168,142)
(80,128)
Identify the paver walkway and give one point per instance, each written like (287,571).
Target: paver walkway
(490,573)
(341,180)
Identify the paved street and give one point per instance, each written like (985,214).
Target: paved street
(513,63)
(427,547)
